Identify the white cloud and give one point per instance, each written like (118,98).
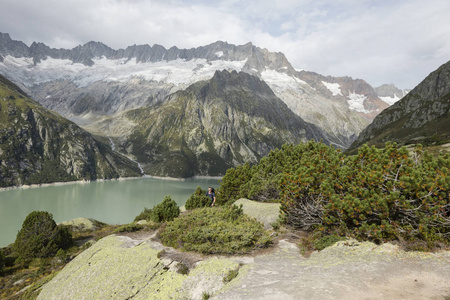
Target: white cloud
(397,42)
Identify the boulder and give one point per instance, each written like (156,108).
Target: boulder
(266,213)
(83,224)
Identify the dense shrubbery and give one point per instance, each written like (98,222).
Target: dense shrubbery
(167,210)
(197,199)
(40,237)
(378,194)
(261,181)
(223,230)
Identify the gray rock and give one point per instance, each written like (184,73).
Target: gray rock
(266,213)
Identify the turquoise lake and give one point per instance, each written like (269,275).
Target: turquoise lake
(113,202)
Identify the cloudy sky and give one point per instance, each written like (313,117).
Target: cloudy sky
(380,41)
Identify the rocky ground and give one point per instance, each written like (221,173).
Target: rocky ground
(137,266)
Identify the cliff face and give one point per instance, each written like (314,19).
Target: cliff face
(421,116)
(39,146)
(212,125)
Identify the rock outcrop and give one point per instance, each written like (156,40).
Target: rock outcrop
(118,267)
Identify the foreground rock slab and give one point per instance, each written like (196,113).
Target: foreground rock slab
(122,267)
(347,270)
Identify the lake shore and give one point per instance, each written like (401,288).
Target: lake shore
(30,186)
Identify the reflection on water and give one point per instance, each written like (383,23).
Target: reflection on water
(114,202)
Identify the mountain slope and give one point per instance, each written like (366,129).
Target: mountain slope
(94,80)
(39,146)
(422,116)
(212,125)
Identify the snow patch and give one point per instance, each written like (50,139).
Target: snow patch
(334,88)
(219,53)
(281,81)
(356,102)
(177,72)
(390,100)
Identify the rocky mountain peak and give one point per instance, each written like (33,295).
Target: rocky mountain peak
(236,81)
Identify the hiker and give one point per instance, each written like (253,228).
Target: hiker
(210,193)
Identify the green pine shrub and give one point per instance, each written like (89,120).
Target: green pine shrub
(40,237)
(377,194)
(230,185)
(146,214)
(221,230)
(198,199)
(128,228)
(327,241)
(165,211)
(260,182)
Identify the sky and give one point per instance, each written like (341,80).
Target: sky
(379,41)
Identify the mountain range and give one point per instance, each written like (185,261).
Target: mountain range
(94,80)
(185,112)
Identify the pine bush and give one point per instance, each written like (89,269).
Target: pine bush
(146,214)
(40,237)
(167,210)
(377,194)
(221,230)
(198,199)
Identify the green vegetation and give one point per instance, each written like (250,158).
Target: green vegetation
(326,241)
(222,230)
(40,237)
(146,215)
(231,275)
(376,194)
(198,199)
(128,228)
(23,279)
(165,211)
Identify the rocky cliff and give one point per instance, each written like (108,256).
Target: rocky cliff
(39,146)
(212,125)
(422,116)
